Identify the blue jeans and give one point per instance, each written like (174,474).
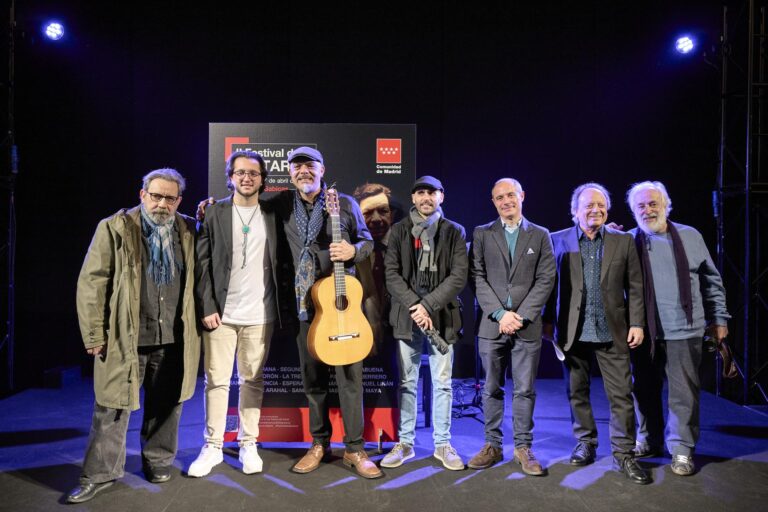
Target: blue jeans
(441,367)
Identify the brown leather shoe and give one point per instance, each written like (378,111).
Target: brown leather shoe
(486,457)
(311,460)
(527,460)
(362,464)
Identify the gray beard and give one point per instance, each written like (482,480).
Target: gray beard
(658,224)
(159,218)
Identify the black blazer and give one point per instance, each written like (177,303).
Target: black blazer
(621,285)
(214,257)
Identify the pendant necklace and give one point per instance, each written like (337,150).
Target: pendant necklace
(246,229)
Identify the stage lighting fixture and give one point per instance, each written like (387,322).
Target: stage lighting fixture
(53,30)
(684,44)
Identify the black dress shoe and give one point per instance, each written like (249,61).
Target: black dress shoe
(85,492)
(158,475)
(583,454)
(632,470)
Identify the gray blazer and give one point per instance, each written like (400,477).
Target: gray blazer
(214,256)
(621,284)
(528,279)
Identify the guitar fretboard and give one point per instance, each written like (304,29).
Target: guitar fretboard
(338,266)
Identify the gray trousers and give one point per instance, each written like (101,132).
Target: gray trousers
(679,360)
(523,356)
(617,380)
(160,371)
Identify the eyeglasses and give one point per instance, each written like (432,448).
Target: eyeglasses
(311,166)
(169,200)
(251,174)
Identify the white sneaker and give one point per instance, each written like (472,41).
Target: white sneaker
(249,456)
(209,456)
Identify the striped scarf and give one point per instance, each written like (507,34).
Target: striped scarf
(162,262)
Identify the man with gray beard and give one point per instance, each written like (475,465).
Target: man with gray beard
(684,299)
(136,309)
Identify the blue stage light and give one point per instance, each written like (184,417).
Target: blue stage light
(53,30)
(684,44)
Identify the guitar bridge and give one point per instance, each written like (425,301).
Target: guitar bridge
(344,337)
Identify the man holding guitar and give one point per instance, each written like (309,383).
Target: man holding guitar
(426,268)
(309,231)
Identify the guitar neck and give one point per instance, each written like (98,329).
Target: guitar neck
(338,266)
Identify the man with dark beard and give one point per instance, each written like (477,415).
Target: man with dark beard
(136,309)
(684,299)
(426,268)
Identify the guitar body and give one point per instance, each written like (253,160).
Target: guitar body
(349,325)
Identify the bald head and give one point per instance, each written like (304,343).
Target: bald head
(508,197)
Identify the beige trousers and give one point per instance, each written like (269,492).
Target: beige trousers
(250,343)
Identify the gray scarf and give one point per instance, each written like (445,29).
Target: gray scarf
(423,232)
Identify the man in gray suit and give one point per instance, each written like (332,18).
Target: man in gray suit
(513,271)
(597,308)
(236,289)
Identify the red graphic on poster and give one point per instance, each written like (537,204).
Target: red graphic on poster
(229,141)
(389,151)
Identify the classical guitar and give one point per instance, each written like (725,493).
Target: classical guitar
(340,334)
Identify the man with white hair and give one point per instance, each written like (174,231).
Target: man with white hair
(597,311)
(684,298)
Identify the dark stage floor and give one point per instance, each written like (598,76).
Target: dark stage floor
(43,434)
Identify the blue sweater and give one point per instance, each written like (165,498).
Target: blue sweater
(707,290)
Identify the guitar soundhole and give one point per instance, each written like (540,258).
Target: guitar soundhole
(342,302)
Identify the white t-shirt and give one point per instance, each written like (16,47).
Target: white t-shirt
(251,292)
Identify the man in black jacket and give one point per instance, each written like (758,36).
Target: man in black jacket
(426,268)
(309,232)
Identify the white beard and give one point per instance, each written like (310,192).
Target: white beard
(652,226)
(308,188)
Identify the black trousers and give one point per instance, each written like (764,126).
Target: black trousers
(617,381)
(349,380)
(161,373)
